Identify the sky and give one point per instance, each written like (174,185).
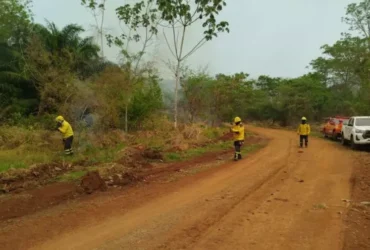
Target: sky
(267,37)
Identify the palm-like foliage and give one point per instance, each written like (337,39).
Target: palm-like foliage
(68,45)
(13,83)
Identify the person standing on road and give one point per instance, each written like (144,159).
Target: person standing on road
(303,131)
(66,129)
(238,131)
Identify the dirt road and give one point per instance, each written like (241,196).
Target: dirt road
(277,198)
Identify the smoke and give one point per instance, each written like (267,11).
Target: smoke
(157,51)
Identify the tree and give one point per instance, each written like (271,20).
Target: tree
(195,94)
(358,17)
(98,9)
(15,19)
(230,96)
(141,16)
(303,96)
(114,91)
(180,15)
(17,94)
(50,75)
(112,88)
(67,43)
(346,61)
(146,100)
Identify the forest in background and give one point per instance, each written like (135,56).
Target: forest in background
(47,70)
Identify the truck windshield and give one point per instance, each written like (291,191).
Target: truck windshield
(337,121)
(362,122)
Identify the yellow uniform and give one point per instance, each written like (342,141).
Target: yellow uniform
(304,129)
(66,129)
(238,131)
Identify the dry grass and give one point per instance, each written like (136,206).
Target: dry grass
(23,147)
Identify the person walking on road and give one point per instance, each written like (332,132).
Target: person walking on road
(238,131)
(303,131)
(66,129)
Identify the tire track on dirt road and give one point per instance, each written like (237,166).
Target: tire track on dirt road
(177,205)
(293,221)
(276,198)
(195,229)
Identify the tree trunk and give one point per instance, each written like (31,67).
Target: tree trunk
(126,118)
(177,74)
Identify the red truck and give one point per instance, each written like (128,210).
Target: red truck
(333,127)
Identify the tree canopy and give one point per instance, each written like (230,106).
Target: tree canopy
(46,69)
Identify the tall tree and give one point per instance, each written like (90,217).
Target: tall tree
(17,94)
(137,18)
(180,15)
(15,18)
(358,17)
(98,11)
(68,44)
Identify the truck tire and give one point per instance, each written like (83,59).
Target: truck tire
(343,141)
(324,132)
(334,136)
(353,145)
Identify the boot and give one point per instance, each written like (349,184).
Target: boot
(239,156)
(235,157)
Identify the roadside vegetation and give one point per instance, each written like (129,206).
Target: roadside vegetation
(118,107)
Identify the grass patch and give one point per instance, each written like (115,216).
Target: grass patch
(4,166)
(212,132)
(24,158)
(20,158)
(97,155)
(196,152)
(172,156)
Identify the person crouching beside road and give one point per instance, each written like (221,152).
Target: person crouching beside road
(238,131)
(66,129)
(303,131)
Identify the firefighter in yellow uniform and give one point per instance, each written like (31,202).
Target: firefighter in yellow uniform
(66,129)
(238,131)
(303,131)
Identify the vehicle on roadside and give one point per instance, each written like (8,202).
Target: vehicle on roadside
(333,127)
(356,132)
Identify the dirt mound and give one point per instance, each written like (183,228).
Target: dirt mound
(92,182)
(135,157)
(123,179)
(180,147)
(36,175)
(153,154)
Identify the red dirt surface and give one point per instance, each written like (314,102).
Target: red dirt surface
(357,233)
(35,200)
(92,181)
(18,205)
(276,198)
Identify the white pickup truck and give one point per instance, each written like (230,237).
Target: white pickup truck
(356,131)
